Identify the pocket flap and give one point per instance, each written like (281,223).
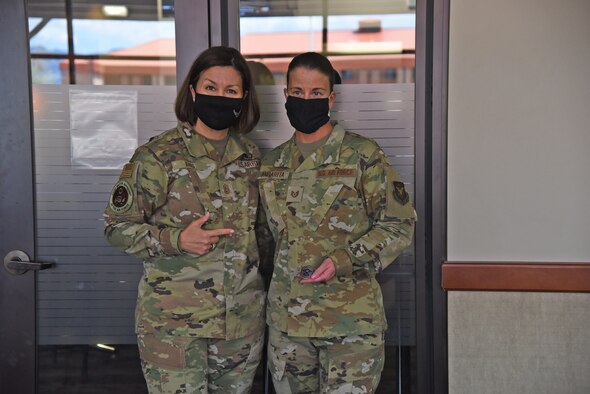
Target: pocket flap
(275,216)
(326,202)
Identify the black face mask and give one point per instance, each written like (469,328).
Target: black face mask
(307,115)
(217,112)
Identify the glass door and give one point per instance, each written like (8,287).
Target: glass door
(69,328)
(112,73)
(84,303)
(103,83)
(372,46)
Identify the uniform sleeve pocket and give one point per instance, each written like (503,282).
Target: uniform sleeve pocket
(166,353)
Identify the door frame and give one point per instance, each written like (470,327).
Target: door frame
(432,49)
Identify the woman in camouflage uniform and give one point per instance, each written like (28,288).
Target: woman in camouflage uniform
(186,203)
(339,214)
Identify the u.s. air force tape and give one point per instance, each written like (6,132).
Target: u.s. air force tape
(121,197)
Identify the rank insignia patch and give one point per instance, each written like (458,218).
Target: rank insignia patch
(294,194)
(121,197)
(399,193)
(128,170)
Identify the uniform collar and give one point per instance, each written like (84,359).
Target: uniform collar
(199,147)
(326,154)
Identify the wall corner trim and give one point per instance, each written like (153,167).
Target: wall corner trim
(516,276)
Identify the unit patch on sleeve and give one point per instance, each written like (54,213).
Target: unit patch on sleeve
(121,197)
(399,193)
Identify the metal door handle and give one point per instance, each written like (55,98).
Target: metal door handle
(18,262)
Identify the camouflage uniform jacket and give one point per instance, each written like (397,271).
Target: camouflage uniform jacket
(343,201)
(168,183)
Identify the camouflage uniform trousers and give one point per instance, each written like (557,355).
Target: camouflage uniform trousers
(349,364)
(183,365)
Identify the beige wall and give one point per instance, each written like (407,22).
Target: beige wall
(519,189)
(519,130)
(519,343)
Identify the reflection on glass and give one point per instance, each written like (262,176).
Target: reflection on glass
(89,369)
(261,75)
(368,48)
(49,71)
(125,72)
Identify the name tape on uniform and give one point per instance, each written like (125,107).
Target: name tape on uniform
(275,174)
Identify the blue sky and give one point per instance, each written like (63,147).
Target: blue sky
(104,36)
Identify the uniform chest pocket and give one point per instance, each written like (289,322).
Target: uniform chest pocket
(183,204)
(239,185)
(239,195)
(339,202)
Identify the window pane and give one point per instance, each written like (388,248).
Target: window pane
(130,43)
(123,37)
(48,36)
(367,42)
(48,41)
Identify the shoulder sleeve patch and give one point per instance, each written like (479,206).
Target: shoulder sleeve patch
(121,197)
(399,193)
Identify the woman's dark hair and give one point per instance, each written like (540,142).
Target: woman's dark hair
(219,56)
(313,61)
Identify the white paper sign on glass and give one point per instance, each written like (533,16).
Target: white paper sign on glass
(103,127)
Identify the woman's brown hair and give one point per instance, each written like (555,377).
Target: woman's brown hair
(315,61)
(219,56)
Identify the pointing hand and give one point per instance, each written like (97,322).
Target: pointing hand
(194,239)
